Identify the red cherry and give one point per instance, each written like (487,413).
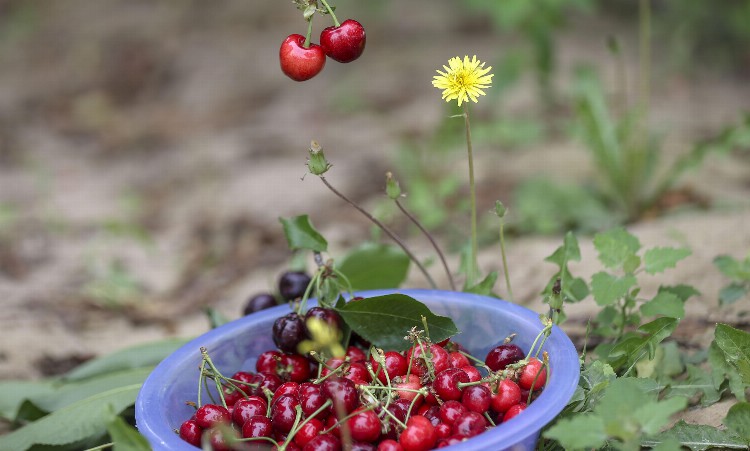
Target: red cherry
(476,398)
(408,383)
(533,375)
(210,414)
(513,411)
(419,434)
(508,394)
(417,356)
(473,372)
(250,407)
(308,431)
(446,383)
(257,426)
(325,442)
(300,63)
(451,411)
(294,367)
(389,445)
(267,362)
(355,354)
(503,355)
(191,432)
(457,359)
(344,43)
(395,365)
(470,424)
(365,426)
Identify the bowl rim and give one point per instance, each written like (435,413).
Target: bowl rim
(564,363)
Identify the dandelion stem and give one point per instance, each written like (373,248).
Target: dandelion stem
(385,229)
(432,241)
(473,268)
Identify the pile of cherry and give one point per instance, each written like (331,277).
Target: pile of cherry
(430,396)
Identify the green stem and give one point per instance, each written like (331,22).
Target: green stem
(471,272)
(645,57)
(330,11)
(385,229)
(100,447)
(505,261)
(424,231)
(309,33)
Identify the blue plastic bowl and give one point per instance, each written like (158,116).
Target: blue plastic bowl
(483,321)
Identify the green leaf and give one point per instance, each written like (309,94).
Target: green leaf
(722,371)
(69,393)
(697,437)
(684,292)
(736,347)
(665,304)
(698,383)
(585,431)
(372,266)
(485,286)
(738,420)
(569,251)
(615,247)
(733,268)
(14,393)
(654,416)
(607,288)
(149,354)
(732,293)
(644,343)
(660,258)
(125,437)
(300,234)
(385,320)
(73,423)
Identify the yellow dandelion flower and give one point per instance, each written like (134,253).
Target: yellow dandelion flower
(463,80)
(325,338)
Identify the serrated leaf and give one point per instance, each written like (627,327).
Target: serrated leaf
(682,291)
(658,259)
(73,423)
(372,266)
(583,431)
(698,383)
(125,437)
(485,286)
(654,416)
(385,320)
(697,437)
(300,234)
(13,394)
(738,420)
(664,304)
(149,354)
(615,247)
(721,371)
(607,288)
(736,347)
(644,343)
(732,293)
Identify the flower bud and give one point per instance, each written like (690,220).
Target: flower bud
(316,162)
(500,209)
(392,188)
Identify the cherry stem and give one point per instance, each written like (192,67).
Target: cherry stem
(330,11)
(424,231)
(385,229)
(478,361)
(201,378)
(309,32)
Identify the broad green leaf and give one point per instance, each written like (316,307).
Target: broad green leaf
(583,431)
(644,343)
(660,258)
(736,346)
(485,286)
(13,394)
(300,234)
(733,268)
(607,289)
(664,304)
(373,266)
(738,420)
(148,354)
(697,437)
(385,320)
(125,437)
(721,371)
(69,393)
(654,416)
(732,293)
(73,423)
(699,382)
(669,444)
(615,247)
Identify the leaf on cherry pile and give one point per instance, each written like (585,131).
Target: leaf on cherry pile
(300,234)
(383,320)
(697,437)
(372,266)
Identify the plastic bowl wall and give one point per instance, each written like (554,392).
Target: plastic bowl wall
(483,321)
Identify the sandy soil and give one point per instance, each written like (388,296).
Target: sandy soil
(125,119)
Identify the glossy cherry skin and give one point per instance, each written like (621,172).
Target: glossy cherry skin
(446,383)
(470,424)
(451,411)
(439,358)
(288,331)
(244,409)
(419,434)
(344,43)
(300,63)
(283,413)
(293,284)
(365,426)
(533,375)
(503,355)
(476,398)
(259,302)
(191,432)
(325,442)
(257,426)
(343,393)
(390,445)
(395,365)
(513,411)
(308,431)
(508,394)
(209,415)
